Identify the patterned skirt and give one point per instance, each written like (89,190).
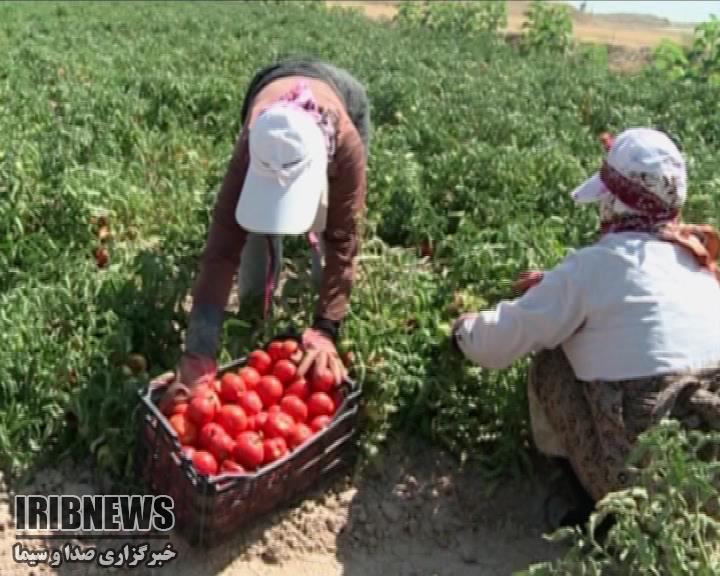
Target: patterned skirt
(595,424)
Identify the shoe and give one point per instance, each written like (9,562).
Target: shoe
(568,503)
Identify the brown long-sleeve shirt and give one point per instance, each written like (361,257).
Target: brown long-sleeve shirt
(346,203)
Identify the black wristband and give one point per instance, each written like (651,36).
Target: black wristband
(328,327)
(454,344)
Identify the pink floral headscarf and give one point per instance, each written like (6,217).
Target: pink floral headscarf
(301,97)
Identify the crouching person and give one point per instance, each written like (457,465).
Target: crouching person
(626,331)
(298,168)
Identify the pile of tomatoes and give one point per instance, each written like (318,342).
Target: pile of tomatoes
(247,419)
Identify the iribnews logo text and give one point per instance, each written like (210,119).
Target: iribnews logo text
(121,513)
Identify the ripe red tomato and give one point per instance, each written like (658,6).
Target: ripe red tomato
(231,467)
(260,420)
(274,449)
(215,440)
(270,390)
(298,388)
(323,381)
(203,406)
(251,423)
(294,406)
(249,450)
(319,422)
(203,387)
(231,387)
(274,409)
(250,402)
(285,371)
(101,256)
(217,386)
(232,418)
(320,404)
(205,463)
(290,347)
(278,424)
(260,360)
(276,350)
(184,428)
(207,433)
(299,435)
(250,376)
(188,452)
(222,447)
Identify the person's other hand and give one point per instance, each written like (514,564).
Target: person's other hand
(193,371)
(321,353)
(456,326)
(527,280)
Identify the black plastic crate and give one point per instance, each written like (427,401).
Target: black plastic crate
(207,510)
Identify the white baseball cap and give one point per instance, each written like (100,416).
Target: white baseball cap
(645,157)
(287,176)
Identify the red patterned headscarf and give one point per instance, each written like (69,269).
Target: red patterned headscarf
(641,187)
(651,203)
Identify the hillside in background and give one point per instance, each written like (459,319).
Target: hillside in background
(627,30)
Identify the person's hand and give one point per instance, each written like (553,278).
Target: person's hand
(320,352)
(193,371)
(527,280)
(456,326)
(462,319)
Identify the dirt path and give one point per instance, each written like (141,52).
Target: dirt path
(419,515)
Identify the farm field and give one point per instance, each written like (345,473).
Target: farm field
(116,125)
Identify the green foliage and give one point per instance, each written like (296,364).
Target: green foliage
(705,52)
(668,523)
(670,59)
(698,62)
(477,17)
(548,28)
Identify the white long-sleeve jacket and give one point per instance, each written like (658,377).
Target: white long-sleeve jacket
(628,306)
